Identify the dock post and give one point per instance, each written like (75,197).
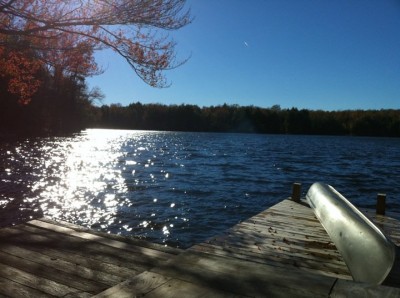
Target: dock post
(381,204)
(296,192)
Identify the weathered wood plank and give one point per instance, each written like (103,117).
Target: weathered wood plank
(137,286)
(389,223)
(99,239)
(288,206)
(384,226)
(322,247)
(43,253)
(274,226)
(280,239)
(266,249)
(71,268)
(287,233)
(352,289)
(262,245)
(282,251)
(36,282)
(288,220)
(276,234)
(301,213)
(388,214)
(386,220)
(25,234)
(244,278)
(178,288)
(9,288)
(274,229)
(70,250)
(280,260)
(129,240)
(29,239)
(89,262)
(56,276)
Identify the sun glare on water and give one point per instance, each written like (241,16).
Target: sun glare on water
(80,169)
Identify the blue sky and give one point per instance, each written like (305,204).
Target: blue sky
(314,54)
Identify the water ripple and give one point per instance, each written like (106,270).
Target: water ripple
(181,188)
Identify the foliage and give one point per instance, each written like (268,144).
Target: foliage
(250,119)
(74,110)
(60,105)
(20,71)
(62,35)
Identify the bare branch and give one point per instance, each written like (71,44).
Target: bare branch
(125,26)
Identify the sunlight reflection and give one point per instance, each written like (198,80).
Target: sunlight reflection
(82,177)
(165,230)
(98,178)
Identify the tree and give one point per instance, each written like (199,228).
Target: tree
(72,30)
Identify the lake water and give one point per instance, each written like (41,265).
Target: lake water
(182,188)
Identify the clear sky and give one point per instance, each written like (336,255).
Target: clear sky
(314,54)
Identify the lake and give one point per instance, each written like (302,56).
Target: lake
(182,188)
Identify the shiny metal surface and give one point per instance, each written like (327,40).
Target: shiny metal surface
(368,253)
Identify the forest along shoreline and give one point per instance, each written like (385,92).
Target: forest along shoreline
(46,117)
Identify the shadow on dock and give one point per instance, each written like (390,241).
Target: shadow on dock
(280,252)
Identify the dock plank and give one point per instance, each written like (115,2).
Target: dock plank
(285,245)
(126,239)
(37,282)
(34,236)
(42,271)
(261,250)
(286,235)
(10,288)
(46,263)
(280,260)
(179,288)
(88,262)
(344,288)
(47,258)
(99,239)
(244,277)
(137,286)
(282,251)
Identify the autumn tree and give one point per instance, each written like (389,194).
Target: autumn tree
(19,68)
(63,35)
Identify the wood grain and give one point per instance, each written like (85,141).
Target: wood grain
(42,257)
(280,252)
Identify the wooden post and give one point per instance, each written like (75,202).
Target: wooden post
(381,204)
(296,192)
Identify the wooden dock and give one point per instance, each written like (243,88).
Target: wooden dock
(281,252)
(44,258)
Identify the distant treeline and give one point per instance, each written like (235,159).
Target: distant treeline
(66,106)
(249,119)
